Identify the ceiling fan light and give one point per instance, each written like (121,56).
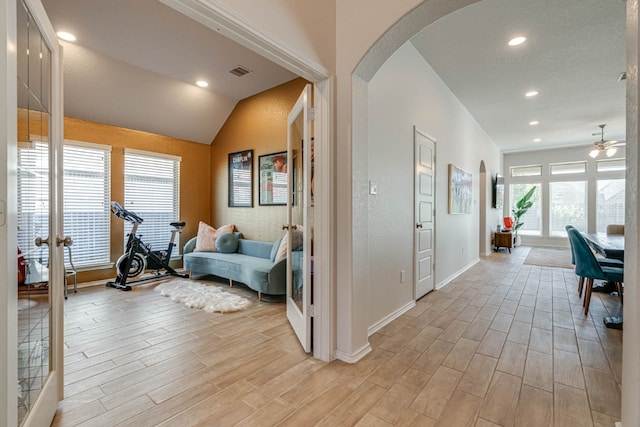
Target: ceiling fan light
(594,153)
(611,151)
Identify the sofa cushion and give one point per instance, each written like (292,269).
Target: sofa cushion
(274,249)
(227,243)
(296,242)
(255,248)
(207,235)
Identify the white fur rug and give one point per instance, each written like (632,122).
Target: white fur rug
(198,295)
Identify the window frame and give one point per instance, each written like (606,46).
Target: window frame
(527,176)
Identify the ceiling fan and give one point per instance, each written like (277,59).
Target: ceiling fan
(609,147)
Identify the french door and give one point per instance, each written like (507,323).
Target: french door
(31,356)
(299,218)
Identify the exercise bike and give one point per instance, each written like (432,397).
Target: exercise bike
(139,257)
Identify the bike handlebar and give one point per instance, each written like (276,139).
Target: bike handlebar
(122,213)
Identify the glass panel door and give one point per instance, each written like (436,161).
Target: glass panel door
(39,259)
(299,227)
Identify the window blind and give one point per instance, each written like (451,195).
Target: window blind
(152,191)
(86,202)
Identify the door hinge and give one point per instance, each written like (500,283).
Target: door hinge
(312,113)
(311,310)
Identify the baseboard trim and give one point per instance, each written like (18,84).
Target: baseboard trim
(449,279)
(354,357)
(390,318)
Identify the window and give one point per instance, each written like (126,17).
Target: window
(609,203)
(533,218)
(568,205)
(86,202)
(535,170)
(610,165)
(152,191)
(567,168)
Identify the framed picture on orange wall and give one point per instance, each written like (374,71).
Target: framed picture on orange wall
(241,179)
(273,179)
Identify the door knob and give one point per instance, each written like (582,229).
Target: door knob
(285,227)
(67,241)
(418,225)
(40,241)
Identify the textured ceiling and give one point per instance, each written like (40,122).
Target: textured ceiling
(136,61)
(573,56)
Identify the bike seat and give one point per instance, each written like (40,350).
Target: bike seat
(179,225)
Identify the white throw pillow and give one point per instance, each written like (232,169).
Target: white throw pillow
(207,235)
(296,241)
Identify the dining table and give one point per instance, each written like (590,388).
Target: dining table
(609,246)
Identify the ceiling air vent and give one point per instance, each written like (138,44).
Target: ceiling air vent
(622,76)
(240,71)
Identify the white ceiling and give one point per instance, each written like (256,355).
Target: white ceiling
(135,63)
(574,53)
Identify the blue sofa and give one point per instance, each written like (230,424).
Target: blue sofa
(253,264)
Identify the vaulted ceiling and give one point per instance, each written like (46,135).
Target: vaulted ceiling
(135,64)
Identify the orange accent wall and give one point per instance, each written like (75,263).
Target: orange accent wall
(258,123)
(195,177)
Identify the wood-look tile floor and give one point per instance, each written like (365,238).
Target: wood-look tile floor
(505,344)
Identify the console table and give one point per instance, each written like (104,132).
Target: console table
(503,239)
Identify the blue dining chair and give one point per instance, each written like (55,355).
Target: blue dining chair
(587,266)
(573,261)
(602,261)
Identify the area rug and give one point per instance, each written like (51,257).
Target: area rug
(549,257)
(199,295)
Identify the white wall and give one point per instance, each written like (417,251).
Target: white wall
(406,92)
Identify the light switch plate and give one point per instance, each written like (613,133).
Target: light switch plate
(373,188)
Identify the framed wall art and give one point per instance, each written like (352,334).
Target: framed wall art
(241,179)
(460,190)
(273,179)
(498,192)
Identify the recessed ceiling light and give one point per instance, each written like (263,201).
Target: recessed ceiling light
(533,123)
(531,93)
(537,140)
(516,41)
(202,83)
(66,36)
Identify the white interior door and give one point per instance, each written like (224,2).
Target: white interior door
(424,238)
(33,220)
(298,219)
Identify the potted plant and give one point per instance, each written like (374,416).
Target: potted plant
(521,208)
